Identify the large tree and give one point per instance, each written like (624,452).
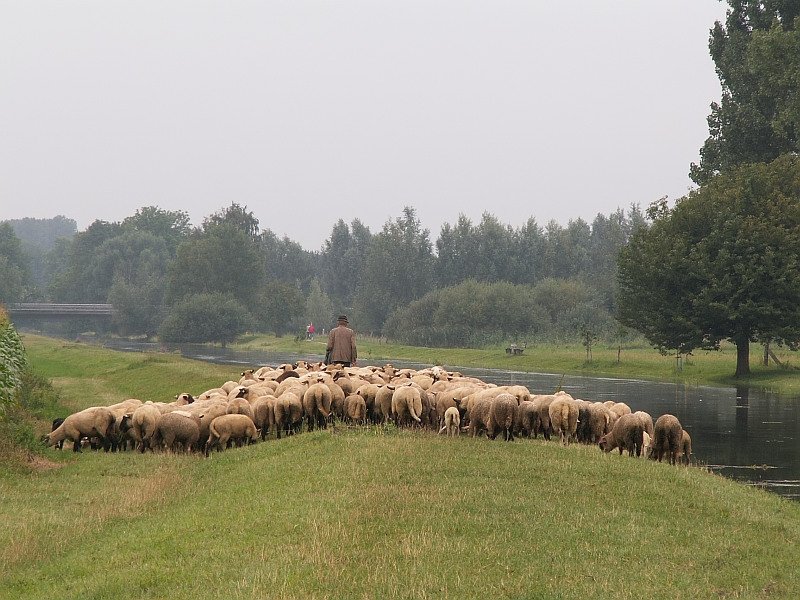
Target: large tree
(756,55)
(724,263)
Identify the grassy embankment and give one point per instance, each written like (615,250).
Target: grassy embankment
(637,362)
(372,513)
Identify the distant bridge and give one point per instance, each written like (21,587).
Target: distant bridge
(60,311)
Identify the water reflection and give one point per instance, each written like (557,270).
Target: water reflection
(748,435)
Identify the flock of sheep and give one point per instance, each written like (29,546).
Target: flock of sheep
(276,400)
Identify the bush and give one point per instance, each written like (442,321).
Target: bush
(12,363)
(205,318)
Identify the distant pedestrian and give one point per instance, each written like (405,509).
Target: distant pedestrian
(342,344)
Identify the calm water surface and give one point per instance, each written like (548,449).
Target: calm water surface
(746,434)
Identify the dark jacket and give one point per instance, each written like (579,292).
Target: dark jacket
(342,344)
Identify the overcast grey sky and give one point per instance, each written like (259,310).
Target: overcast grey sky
(308,111)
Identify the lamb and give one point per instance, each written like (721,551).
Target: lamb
(368,391)
(502,415)
(563,413)
(97,421)
(406,404)
(667,438)
(230,427)
(685,452)
(355,409)
(452,422)
(647,442)
(626,434)
(178,427)
(317,404)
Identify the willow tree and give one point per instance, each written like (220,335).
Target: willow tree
(723,264)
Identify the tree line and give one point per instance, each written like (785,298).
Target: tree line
(226,276)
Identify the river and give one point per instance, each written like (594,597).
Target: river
(746,434)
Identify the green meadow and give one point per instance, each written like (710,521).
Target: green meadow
(368,512)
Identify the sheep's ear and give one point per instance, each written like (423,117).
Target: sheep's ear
(201,416)
(127,415)
(391,387)
(176,396)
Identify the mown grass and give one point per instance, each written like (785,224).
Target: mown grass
(370,515)
(632,361)
(373,513)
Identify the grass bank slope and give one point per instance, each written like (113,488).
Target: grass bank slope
(374,514)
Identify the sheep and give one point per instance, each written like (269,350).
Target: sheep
(239,406)
(184,399)
(478,415)
(55,425)
(620,408)
(542,404)
(96,421)
(288,413)
(355,409)
(230,427)
(452,422)
(178,427)
(647,421)
(626,434)
(599,421)
(502,415)
(368,391)
(144,422)
(685,452)
(317,405)
(383,403)
(406,404)
(527,418)
(563,413)
(667,438)
(264,414)
(646,444)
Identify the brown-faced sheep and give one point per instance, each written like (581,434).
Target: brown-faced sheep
(626,434)
(230,428)
(355,409)
(406,404)
(317,405)
(667,436)
(183,399)
(452,422)
(502,415)
(563,413)
(97,421)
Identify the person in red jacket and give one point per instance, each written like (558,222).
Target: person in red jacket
(342,344)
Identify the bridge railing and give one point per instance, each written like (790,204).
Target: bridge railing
(62,310)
